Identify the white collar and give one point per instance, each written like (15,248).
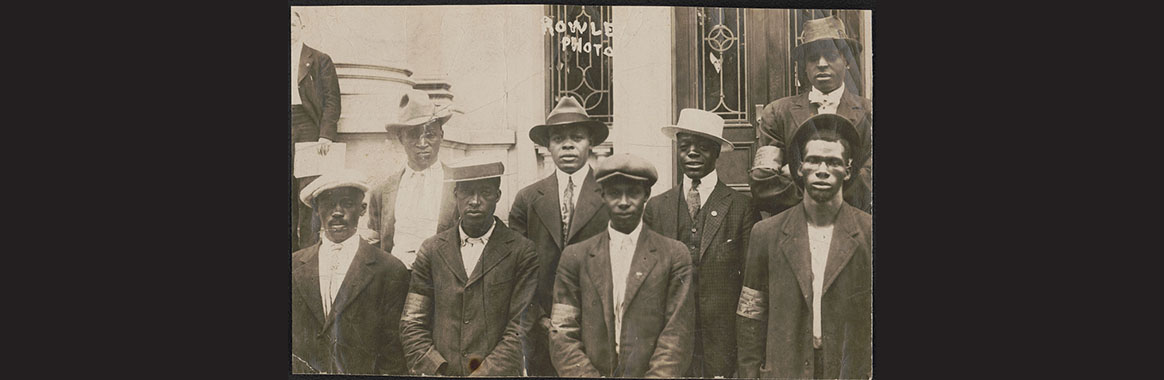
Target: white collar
(347,245)
(578,176)
(834,96)
(706,184)
(634,235)
(433,169)
(484,238)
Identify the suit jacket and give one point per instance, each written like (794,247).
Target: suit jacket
(455,317)
(361,335)
(775,311)
(382,210)
(778,123)
(319,90)
(657,324)
(718,274)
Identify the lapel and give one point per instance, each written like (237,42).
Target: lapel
(449,250)
(447,215)
(496,250)
(388,201)
(304,62)
(599,269)
(548,210)
(668,222)
(589,202)
(717,202)
(307,282)
(850,107)
(843,245)
(360,273)
(644,259)
(801,110)
(795,247)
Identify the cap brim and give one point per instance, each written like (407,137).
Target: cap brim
(621,174)
(539,133)
(724,145)
(447,180)
(310,192)
(799,49)
(418,121)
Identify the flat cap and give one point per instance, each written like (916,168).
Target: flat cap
(333,180)
(626,165)
(474,168)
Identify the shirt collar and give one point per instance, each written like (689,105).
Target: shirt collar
(615,235)
(431,171)
(834,96)
(578,176)
(484,238)
(348,245)
(706,184)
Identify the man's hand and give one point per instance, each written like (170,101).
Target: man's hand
(784,170)
(546,323)
(324,146)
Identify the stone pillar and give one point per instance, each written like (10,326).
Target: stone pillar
(643,87)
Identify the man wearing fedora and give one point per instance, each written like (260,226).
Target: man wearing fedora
(623,301)
(805,310)
(562,209)
(826,58)
(470,285)
(345,292)
(315,112)
(713,222)
(414,202)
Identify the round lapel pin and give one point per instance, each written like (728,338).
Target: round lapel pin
(713,213)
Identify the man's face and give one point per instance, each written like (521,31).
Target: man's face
(625,199)
(340,210)
(824,169)
(697,154)
(296,28)
(825,66)
(477,200)
(422,143)
(570,147)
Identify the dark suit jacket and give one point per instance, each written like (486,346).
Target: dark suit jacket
(319,90)
(382,210)
(361,336)
(775,323)
(718,267)
(453,317)
(657,324)
(778,123)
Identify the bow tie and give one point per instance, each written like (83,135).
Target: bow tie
(820,98)
(470,242)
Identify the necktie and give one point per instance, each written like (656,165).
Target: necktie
(333,272)
(693,198)
(567,208)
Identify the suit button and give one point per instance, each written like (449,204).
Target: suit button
(806,363)
(466,321)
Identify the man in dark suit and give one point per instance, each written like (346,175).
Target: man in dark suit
(562,209)
(346,293)
(414,202)
(470,285)
(826,57)
(315,112)
(806,307)
(714,222)
(623,301)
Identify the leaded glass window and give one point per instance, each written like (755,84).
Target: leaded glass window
(580,58)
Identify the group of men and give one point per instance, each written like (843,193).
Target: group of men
(591,276)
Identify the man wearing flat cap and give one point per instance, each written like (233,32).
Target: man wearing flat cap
(315,113)
(806,307)
(826,59)
(463,315)
(713,222)
(623,301)
(414,202)
(346,293)
(562,209)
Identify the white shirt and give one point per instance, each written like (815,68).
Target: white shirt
(333,267)
(818,243)
(706,186)
(622,252)
(828,101)
(296,50)
(563,180)
(418,203)
(471,251)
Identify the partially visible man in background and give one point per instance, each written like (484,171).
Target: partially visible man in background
(315,112)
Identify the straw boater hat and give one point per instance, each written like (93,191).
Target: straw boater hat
(332,180)
(825,122)
(828,28)
(701,123)
(626,165)
(416,108)
(569,112)
(474,168)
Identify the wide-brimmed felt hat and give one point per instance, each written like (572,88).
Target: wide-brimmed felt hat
(626,165)
(569,112)
(474,168)
(824,29)
(824,122)
(701,123)
(333,180)
(417,108)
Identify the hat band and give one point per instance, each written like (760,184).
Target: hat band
(565,118)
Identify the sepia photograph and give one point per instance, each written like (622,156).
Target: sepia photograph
(553,190)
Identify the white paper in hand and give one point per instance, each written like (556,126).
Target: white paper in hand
(308,161)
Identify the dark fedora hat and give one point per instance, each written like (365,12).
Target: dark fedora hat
(830,29)
(827,123)
(569,112)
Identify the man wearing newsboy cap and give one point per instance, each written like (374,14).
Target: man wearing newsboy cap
(623,301)
(346,293)
(470,285)
(713,222)
(414,202)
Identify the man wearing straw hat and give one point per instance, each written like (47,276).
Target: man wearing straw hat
(346,293)
(415,202)
(805,310)
(714,222)
(470,285)
(562,209)
(826,58)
